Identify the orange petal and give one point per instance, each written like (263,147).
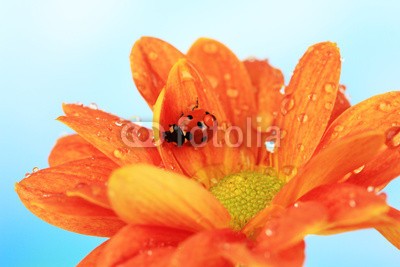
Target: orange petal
(118,139)
(241,254)
(92,258)
(341,104)
(46,193)
(308,103)
(134,240)
(70,148)
(143,194)
(258,221)
(325,210)
(151,60)
(391,228)
(379,113)
(185,85)
(228,77)
(349,207)
(267,81)
(331,165)
(207,248)
(153,258)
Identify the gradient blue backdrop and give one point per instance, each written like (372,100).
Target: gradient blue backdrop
(67,51)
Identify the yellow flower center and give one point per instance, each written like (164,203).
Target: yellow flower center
(246,193)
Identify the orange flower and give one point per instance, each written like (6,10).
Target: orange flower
(230,201)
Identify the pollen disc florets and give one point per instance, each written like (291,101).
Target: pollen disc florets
(246,193)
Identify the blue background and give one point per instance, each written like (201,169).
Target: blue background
(68,51)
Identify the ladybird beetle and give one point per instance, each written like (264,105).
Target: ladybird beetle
(195,127)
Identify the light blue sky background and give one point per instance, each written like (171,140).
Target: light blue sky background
(67,51)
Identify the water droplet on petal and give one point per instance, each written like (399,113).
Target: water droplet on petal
(232,93)
(93,106)
(312,97)
(283,134)
(270,171)
(136,75)
(287,104)
(153,55)
(186,76)
(352,203)
(35,169)
(117,153)
(370,188)
(268,232)
(329,88)
(300,147)
(393,137)
(288,171)
(119,123)
(210,48)
(339,128)
(270,146)
(149,252)
(302,117)
(213,81)
(328,105)
(358,170)
(296,205)
(385,107)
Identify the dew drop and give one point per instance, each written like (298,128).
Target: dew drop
(329,88)
(328,105)
(300,147)
(342,88)
(186,76)
(135,75)
(339,128)
(93,106)
(358,170)
(370,188)
(289,171)
(268,232)
(117,153)
(119,123)
(385,107)
(27,174)
(287,104)
(227,76)
(270,171)
(312,97)
(153,55)
(213,181)
(270,146)
(210,48)
(283,134)
(149,252)
(296,205)
(393,137)
(35,169)
(232,93)
(213,81)
(302,117)
(352,203)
